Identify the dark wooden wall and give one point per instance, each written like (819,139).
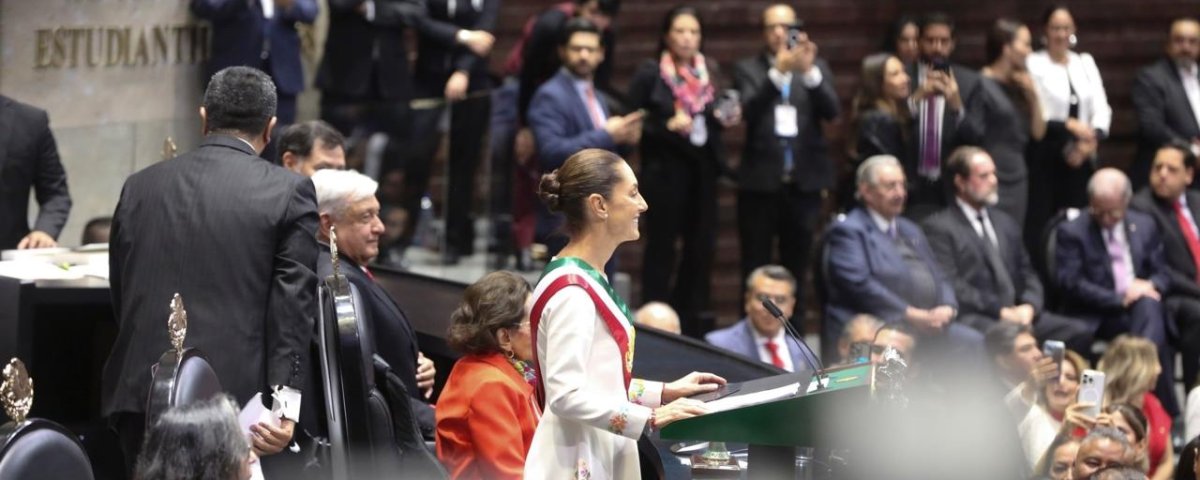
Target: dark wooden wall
(1123,35)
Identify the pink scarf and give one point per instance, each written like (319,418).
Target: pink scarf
(690,86)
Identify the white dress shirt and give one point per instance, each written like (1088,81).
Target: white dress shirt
(1191,85)
(1054,83)
(885,225)
(973,216)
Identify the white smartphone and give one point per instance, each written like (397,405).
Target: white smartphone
(1091,390)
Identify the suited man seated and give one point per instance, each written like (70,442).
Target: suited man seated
(979,249)
(1111,270)
(1175,210)
(567,114)
(879,263)
(760,335)
(346,200)
(1165,109)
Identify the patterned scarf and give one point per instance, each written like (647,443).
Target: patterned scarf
(525,369)
(690,86)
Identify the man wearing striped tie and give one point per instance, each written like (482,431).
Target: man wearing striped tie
(941,123)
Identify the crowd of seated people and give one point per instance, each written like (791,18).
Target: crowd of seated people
(981,223)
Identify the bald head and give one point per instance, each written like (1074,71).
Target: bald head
(1183,46)
(659,315)
(1109,193)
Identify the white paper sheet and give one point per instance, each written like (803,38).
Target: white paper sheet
(737,401)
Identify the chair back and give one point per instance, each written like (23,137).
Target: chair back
(180,378)
(40,449)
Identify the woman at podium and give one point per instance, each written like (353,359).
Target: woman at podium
(583,335)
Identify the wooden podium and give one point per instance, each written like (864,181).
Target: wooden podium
(774,428)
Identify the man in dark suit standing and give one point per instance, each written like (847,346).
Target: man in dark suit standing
(1175,210)
(260,34)
(235,236)
(785,172)
(446,68)
(880,263)
(940,90)
(980,250)
(364,75)
(760,335)
(346,200)
(567,115)
(29,159)
(1111,270)
(1166,95)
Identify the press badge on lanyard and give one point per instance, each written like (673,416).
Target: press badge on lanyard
(785,116)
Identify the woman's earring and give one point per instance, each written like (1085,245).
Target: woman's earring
(1072,40)
(510,354)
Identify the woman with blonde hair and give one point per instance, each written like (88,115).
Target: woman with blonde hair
(1131,369)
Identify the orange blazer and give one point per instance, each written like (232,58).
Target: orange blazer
(486,416)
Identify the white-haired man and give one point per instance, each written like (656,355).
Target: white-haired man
(346,200)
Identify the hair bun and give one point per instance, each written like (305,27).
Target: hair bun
(550,191)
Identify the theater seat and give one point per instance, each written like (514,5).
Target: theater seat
(180,379)
(372,430)
(40,449)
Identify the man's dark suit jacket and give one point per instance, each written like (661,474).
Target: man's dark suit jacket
(1164,114)
(363,58)
(957,130)
(241,36)
(866,269)
(1181,268)
(761,168)
(561,124)
(539,56)
(235,236)
(1085,269)
(438,51)
(962,255)
(29,159)
(395,339)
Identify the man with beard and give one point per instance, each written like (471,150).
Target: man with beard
(979,249)
(880,264)
(1166,95)
(561,128)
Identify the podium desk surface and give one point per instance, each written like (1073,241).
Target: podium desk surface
(806,419)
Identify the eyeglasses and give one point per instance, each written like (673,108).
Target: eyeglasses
(776,299)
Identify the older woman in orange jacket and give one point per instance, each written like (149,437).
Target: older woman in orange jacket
(487,412)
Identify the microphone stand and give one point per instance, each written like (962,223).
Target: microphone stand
(808,354)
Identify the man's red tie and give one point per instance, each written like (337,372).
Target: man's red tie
(774,349)
(368,272)
(1193,243)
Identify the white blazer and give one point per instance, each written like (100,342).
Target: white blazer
(1054,91)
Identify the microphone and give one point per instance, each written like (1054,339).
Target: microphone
(813,361)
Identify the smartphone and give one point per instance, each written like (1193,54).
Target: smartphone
(1091,390)
(795,31)
(941,65)
(1055,350)
(860,352)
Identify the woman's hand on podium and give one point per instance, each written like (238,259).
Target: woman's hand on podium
(693,384)
(677,410)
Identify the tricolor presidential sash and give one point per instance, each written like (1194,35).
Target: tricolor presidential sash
(572,272)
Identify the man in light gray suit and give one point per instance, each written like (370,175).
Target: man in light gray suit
(760,335)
